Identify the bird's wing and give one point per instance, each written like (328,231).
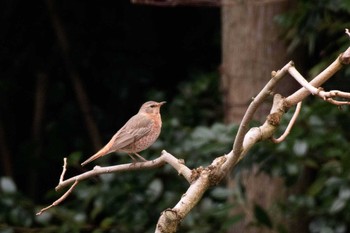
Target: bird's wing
(137,127)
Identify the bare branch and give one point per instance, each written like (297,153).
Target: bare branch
(213,174)
(290,125)
(165,157)
(326,74)
(330,95)
(327,96)
(59,200)
(266,130)
(201,179)
(63,170)
(337,102)
(243,128)
(303,82)
(205,177)
(171,218)
(160,161)
(178,164)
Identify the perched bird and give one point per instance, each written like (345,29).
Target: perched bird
(138,133)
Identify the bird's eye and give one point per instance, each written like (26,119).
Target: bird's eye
(153,106)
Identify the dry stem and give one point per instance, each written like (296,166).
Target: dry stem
(290,125)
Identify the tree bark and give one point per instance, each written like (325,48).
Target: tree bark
(251,49)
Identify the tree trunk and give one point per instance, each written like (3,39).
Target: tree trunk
(251,49)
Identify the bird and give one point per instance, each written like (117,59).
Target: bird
(138,133)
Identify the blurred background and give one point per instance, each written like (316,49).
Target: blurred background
(73,72)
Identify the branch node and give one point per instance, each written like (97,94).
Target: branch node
(195,173)
(181,161)
(216,173)
(319,90)
(290,125)
(274,119)
(170,221)
(273,73)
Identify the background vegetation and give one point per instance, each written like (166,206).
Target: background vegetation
(127,54)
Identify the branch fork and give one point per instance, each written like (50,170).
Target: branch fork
(318,91)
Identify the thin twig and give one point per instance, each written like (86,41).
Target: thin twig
(326,74)
(165,157)
(63,170)
(254,105)
(160,161)
(330,95)
(178,164)
(303,82)
(327,96)
(59,200)
(338,102)
(290,125)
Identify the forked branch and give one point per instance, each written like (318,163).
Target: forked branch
(165,157)
(200,179)
(245,139)
(290,125)
(327,96)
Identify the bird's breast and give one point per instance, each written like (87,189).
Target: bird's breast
(146,140)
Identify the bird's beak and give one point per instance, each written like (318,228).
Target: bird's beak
(161,103)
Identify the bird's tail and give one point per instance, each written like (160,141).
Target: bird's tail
(99,154)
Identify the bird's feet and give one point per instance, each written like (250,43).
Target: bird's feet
(134,160)
(140,157)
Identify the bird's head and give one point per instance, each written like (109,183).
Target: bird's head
(151,107)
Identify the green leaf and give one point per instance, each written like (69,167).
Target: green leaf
(232,220)
(317,186)
(262,216)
